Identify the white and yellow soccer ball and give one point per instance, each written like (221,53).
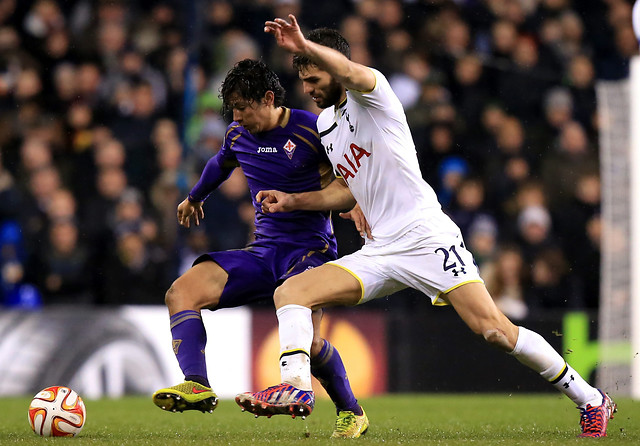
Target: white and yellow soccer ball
(57,411)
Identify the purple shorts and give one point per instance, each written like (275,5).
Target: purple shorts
(256,271)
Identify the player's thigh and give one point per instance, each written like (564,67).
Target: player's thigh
(477,309)
(199,287)
(326,285)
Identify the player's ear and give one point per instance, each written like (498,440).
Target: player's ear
(269,98)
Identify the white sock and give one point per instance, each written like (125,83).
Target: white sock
(536,353)
(296,336)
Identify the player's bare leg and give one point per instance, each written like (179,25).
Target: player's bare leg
(294,300)
(476,307)
(200,287)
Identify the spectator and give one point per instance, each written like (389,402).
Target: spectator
(482,241)
(140,266)
(535,235)
(35,154)
(469,204)
(558,111)
(133,125)
(451,172)
(505,281)
(62,206)
(470,93)
(64,90)
(225,221)
(581,77)
(10,198)
(14,290)
(578,227)
(522,68)
(512,165)
(438,144)
(99,214)
(43,183)
(196,241)
(551,287)
(133,68)
(61,268)
(561,169)
(407,82)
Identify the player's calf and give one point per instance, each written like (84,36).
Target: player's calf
(498,338)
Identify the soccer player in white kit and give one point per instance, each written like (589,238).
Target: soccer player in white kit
(414,244)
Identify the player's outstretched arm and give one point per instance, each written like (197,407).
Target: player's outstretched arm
(335,196)
(188,210)
(350,74)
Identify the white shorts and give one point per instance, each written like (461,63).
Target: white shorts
(431,258)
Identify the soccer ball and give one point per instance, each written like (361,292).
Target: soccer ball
(57,411)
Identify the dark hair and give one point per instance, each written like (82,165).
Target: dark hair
(325,37)
(251,79)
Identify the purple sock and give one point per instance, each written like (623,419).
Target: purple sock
(328,368)
(189,341)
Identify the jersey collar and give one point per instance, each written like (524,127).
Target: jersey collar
(284,117)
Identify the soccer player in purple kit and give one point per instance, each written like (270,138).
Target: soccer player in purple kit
(280,148)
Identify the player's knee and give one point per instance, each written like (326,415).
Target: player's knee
(171,297)
(285,294)
(279,297)
(497,338)
(177,299)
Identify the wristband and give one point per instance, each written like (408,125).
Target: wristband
(192,200)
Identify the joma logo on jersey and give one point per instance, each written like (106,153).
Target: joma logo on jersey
(352,161)
(267,150)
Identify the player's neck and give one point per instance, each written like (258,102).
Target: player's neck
(342,101)
(279,117)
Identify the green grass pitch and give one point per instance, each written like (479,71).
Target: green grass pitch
(427,419)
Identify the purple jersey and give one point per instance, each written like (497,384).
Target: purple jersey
(289,158)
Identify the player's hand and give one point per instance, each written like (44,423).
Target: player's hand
(188,210)
(287,35)
(362,225)
(273,201)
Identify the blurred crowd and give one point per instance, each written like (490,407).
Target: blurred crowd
(109,111)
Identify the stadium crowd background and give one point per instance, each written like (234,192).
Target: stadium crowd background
(102,134)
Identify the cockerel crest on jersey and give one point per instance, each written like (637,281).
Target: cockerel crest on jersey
(289,148)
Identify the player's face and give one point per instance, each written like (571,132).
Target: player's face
(250,114)
(321,86)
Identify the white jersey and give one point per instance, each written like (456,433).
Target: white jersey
(369,143)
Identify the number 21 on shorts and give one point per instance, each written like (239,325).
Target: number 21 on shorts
(449,262)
